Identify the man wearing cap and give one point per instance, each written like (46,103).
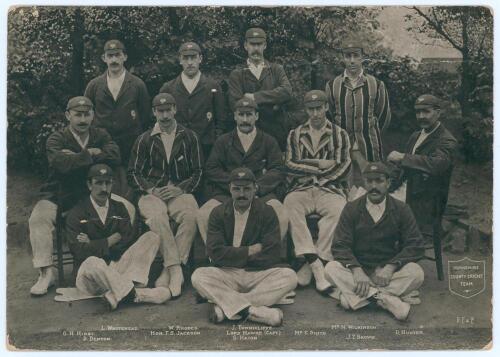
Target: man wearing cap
(243,244)
(264,82)
(122,104)
(318,163)
(70,152)
(99,231)
(200,101)
(165,169)
(427,164)
(376,246)
(245,146)
(359,103)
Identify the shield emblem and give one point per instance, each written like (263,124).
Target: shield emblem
(466,277)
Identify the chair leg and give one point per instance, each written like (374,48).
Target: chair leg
(438,251)
(59,247)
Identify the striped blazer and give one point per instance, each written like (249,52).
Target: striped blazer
(149,168)
(362,109)
(333,145)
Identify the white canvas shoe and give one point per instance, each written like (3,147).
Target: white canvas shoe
(46,279)
(304,275)
(157,295)
(176,280)
(266,315)
(318,270)
(394,305)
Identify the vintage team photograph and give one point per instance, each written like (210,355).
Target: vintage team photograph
(223,178)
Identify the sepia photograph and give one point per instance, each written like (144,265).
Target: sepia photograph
(249,178)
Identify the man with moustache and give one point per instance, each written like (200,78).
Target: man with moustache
(200,101)
(70,152)
(359,103)
(165,170)
(427,165)
(99,231)
(318,163)
(376,246)
(245,146)
(243,244)
(122,105)
(264,82)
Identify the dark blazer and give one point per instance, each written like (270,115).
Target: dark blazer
(262,227)
(202,111)
(428,174)
(149,167)
(271,91)
(264,158)
(395,238)
(83,218)
(66,182)
(127,117)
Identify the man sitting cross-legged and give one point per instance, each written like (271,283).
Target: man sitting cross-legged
(243,243)
(98,230)
(375,247)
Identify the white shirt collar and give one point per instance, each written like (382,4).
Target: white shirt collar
(380,205)
(260,65)
(190,83)
(83,143)
(102,211)
(361,74)
(157,130)
(120,78)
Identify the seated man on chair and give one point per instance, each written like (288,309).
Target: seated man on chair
(70,153)
(318,163)
(245,146)
(243,244)
(99,230)
(165,169)
(375,249)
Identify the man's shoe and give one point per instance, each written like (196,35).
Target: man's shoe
(154,296)
(344,303)
(176,280)
(46,279)
(394,305)
(266,315)
(304,275)
(215,314)
(318,270)
(164,279)
(110,299)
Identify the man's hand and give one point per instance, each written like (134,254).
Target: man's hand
(324,164)
(395,156)
(250,96)
(382,276)
(172,191)
(94,151)
(362,282)
(114,238)
(67,151)
(254,249)
(82,238)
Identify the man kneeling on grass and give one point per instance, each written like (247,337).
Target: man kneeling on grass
(98,231)
(375,249)
(243,243)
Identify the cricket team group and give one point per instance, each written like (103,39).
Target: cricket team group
(246,191)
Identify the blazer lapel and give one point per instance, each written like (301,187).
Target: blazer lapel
(158,143)
(257,142)
(411,142)
(266,71)
(430,139)
(305,139)
(179,84)
(93,217)
(200,85)
(252,222)
(125,85)
(178,140)
(229,222)
(73,145)
(237,142)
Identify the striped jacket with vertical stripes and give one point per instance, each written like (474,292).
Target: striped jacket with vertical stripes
(149,168)
(333,145)
(362,109)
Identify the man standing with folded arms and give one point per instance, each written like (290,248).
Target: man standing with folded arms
(122,105)
(264,82)
(165,170)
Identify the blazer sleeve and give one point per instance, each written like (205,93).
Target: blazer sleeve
(382,106)
(215,171)
(331,100)
(343,239)
(75,224)
(434,163)
(144,105)
(65,162)
(235,88)
(138,165)
(196,163)
(110,151)
(282,93)
(412,243)
(90,91)
(270,240)
(221,253)
(219,102)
